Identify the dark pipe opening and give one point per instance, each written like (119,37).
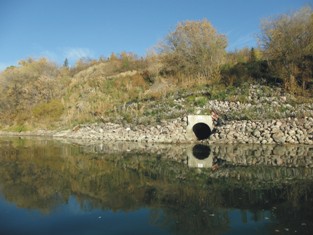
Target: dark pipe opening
(201,151)
(202,131)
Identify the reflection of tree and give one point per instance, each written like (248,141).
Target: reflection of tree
(43,174)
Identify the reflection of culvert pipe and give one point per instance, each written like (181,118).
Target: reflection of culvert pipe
(201,130)
(200,156)
(201,151)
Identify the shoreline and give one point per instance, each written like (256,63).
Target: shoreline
(280,131)
(196,155)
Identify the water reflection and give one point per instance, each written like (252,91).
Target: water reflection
(199,156)
(149,189)
(237,155)
(201,151)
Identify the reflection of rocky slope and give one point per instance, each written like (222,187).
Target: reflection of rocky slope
(43,174)
(273,155)
(236,154)
(57,156)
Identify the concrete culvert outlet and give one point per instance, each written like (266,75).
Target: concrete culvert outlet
(201,151)
(201,130)
(199,127)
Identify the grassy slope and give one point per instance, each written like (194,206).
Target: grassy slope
(104,91)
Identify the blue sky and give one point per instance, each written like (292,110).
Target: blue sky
(60,29)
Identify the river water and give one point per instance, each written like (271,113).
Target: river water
(57,187)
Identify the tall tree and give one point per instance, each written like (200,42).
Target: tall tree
(194,48)
(287,42)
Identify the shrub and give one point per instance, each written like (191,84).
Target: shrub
(193,48)
(48,111)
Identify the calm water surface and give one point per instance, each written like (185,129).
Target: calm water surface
(53,187)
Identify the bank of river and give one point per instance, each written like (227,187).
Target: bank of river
(276,120)
(282,131)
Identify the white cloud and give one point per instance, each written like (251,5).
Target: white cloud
(247,40)
(50,55)
(77,53)
(58,55)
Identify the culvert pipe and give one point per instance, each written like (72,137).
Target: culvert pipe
(201,130)
(199,127)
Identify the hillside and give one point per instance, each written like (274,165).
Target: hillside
(190,72)
(60,98)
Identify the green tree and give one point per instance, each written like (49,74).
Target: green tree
(287,42)
(194,48)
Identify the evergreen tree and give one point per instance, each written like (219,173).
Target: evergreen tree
(65,64)
(253,56)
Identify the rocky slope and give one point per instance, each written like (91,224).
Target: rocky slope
(277,120)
